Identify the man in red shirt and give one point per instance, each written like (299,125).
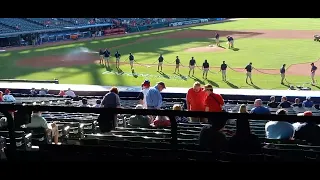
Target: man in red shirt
(195,100)
(213,102)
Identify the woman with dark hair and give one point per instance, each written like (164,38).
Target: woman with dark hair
(244,142)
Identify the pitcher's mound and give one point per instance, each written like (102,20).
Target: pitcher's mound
(210,48)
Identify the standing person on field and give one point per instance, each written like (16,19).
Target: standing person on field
(106,58)
(192,65)
(101,52)
(205,68)
(195,100)
(117,55)
(217,36)
(283,73)
(313,72)
(177,65)
(223,69)
(131,59)
(249,70)
(160,62)
(213,102)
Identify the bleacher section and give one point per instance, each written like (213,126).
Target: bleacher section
(22,24)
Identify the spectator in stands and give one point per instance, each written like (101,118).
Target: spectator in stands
(62,93)
(142,96)
(68,103)
(213,102)
(243,109)
(307,103)
(244,142)
(273,103)
(33,92)
(98,103)
(1,96)
(43,91)
(308,131)
(161,122)
(259,108)
(70,93)
(154,97)
(84,103)
(179,119)
(279,129)
(111,100)
(296,103)
(139,120)
(195,100)
(284,103)
(37,121)
(212,137)
(8,97)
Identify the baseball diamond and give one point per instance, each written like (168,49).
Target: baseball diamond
(283,41)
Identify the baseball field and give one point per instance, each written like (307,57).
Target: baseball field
(267,43)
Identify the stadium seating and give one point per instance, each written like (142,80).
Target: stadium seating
(21,23)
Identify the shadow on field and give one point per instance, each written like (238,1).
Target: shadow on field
(255,86)
(164,75)
(196,79)
(182,77)
(235,49)
(213,83)
(316,86)
(231,85)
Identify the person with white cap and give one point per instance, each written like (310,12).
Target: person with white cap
(307,103)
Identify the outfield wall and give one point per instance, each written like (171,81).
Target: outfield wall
(170,92)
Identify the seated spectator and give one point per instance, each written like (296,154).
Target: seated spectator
(139,120)
(259,108)
(98,103)
(309,131)
(43,91)
(1,96)
(8,97)
(62,93)
(307,103)
(284,103)
(68,103)
(212,137)
(279,129)
(110,100)
(179,119)
(296,103)
(161,122)
(243,109)
(84,103)
(33,92)
(70,93)
(273,103)
(38,121)
(244,142)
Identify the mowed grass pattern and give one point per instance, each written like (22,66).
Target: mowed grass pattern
(264,53)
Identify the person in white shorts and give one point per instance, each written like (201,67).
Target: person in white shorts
(205,68)
(249,69)
(283,73)
(160,59)
(101,54)
(117,55)
(192,64)
(313,72)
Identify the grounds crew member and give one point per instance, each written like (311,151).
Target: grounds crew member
(313,72)
(101,52)
(117,55)
(106,57)
(223,69)
(217,36)
(249,70)
(160,62)
(283,73)
(131,59)
(192,64)
(205,68)
(177,65)
(230,41)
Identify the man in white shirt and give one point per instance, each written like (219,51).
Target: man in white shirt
(279,129)
(70,93)
(145,90)
(8,97)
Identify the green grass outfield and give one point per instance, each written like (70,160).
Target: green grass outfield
(264,53)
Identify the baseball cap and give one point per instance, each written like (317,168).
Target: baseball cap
(7,91)
(306,113)
(162,84)
(146,83)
